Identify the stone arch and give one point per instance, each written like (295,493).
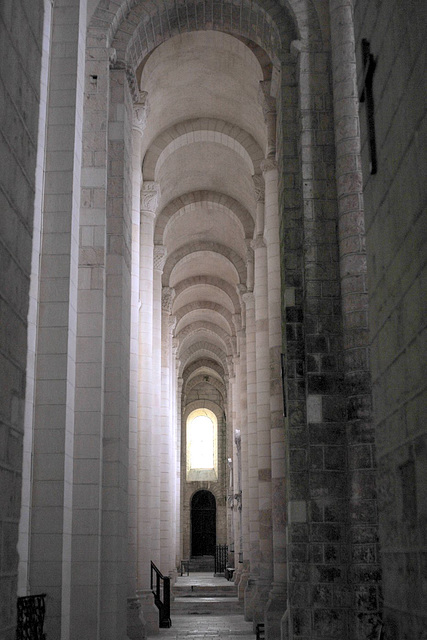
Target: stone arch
(221,284)
(203,404)
(215,130)
(199,379)
(137,28)
(208,305)
(202,363)
(202,348)
(193,247)
(205,328)
(118,23)
(197,197)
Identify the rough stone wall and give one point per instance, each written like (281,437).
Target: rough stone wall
(395,208)
(21,26)
(319,597)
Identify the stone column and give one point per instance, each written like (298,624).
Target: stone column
(149,198)
(173,448)
(51,524)
(158,264)
(241,428)
(135,625)
(251,541)
(179,514)
(166,434)
(257,590)
(354,301)
(32,319)
(278,595)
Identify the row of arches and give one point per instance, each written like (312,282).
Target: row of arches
(203,229)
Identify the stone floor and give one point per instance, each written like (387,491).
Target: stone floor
(206,607)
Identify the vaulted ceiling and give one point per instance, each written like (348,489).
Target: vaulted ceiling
(205,138)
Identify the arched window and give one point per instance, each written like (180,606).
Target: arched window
(202,445)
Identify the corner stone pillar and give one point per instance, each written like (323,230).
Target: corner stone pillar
(250,503)
(256,594)
(149,198)
(135,622)
(167,560)
(155,511)
(278,595)
(354,301)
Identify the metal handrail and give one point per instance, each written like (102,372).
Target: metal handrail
(221,551)
(160,587)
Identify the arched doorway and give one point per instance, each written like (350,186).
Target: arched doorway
(203,524)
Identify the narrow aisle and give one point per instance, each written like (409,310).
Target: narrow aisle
(205,606)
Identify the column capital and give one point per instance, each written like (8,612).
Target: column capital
(150,193)
(140,112)
(237,321)
(168,296)
(159,258)
(172,324)
(258,242)
(268,164)
(230,363)
(248,298)
(259,185)
(265,99)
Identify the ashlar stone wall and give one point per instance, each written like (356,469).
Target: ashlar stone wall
(396,228)
(21,26)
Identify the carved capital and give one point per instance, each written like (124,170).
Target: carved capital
(259,185)
(265,99)
(159,258)
(230,364)
(150,193)
(168,296)
(268,164)
(172,324)
(140,112)
(112,57)
(248,298)
(258,242)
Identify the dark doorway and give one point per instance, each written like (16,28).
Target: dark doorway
(203,524)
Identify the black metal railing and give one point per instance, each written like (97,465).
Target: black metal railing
(221,551)
(30,618)
(161,588)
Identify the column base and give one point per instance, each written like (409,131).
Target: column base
(135,628)
(173,576)
(249,600)
(284,626)
(260,601)
(241,581)
(274,611)
(149,611)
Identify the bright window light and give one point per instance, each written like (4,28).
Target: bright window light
(202,446)
(201,443)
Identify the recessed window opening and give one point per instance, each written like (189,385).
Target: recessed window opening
(202,445)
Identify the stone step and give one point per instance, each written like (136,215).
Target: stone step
(202,564)
(206,606)
(227,590)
